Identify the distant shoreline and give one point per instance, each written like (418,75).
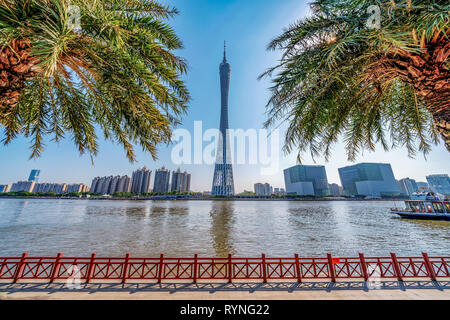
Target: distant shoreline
(194,199)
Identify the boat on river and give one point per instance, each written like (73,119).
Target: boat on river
(424,206)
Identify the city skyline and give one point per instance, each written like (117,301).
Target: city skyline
(203,48)
(300,179)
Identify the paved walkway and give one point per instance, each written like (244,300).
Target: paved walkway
(237,291)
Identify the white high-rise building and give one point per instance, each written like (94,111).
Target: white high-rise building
(27,186)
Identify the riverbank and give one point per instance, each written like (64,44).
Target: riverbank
(162,198)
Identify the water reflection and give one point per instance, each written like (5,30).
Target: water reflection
(157,210)
(179,210)
(222,216)
(136,212)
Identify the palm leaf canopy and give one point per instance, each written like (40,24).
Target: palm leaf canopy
(80,67)
(340,77)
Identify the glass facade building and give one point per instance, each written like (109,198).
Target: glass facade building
(306,180)
(34,175)
(369,179)
(408,186)
(439,183)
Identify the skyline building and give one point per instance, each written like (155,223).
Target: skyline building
(162,181)
(335,189)
(77,187)
(422,186)
(46,187)
(369,179)
(306,180)
(140,181)
(408,186)
(439,183)
(223,181)
(110,185)
(27,186)
(5,188)
(263,189)
(34,175)
(279,191)
(181,181)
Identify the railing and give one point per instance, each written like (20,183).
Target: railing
(230,268)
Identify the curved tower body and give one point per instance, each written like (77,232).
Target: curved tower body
(223,183)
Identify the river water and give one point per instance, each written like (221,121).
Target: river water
(214,228)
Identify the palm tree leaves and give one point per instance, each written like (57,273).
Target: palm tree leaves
(115,73)
(336,79)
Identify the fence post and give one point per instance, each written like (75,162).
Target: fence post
(125,268)
(396,267)
(195,267)
(363,266)
(429,266)
(230,271)
(56,267)
(264,271)
(297,268)
(20,267)
(331,267)
(160,269)
(3,266)
(91,268)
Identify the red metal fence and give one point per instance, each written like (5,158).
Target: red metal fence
(230,268)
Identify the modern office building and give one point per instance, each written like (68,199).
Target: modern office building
(369,179)
(408,186)
(439,183)
(140,181)
(5,188)
(223,181)
(335,190)
(34,175)
(27,186)
(181,181)
(263,189)
(306,180)
(162,181)
(49,187)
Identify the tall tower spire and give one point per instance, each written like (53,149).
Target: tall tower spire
(223,183)
(224,51)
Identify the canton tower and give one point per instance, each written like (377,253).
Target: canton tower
(223,184)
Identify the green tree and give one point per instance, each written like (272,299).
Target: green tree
(342,75)
(70,67)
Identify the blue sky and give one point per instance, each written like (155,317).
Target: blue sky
(203,25)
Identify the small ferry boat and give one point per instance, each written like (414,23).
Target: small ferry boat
(425,206)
